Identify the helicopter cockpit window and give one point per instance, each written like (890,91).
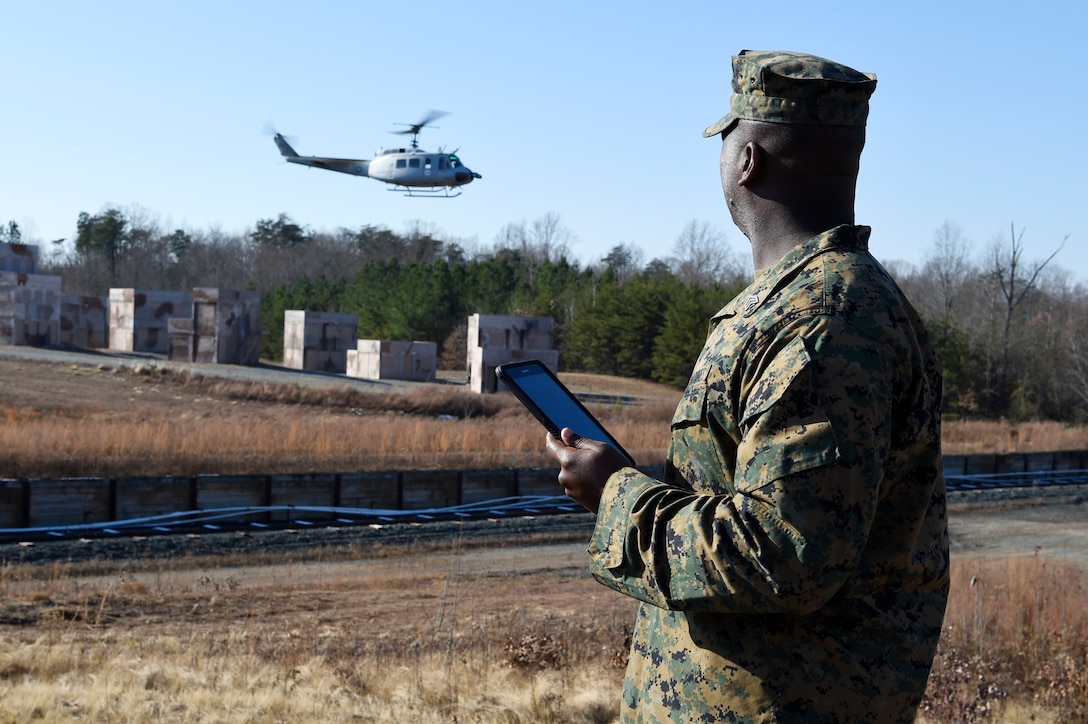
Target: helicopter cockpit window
(413,163)
(455,162)
(401,163)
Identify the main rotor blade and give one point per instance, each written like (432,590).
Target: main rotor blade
(430,118)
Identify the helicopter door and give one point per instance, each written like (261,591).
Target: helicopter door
(427,166)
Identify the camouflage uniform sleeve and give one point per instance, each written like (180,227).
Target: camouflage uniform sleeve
(790,520)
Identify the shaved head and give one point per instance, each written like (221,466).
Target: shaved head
(805,174)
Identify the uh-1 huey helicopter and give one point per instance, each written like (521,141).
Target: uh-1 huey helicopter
(412,170)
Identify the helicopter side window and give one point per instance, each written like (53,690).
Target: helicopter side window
(443,163)
(401,163)
(413,163)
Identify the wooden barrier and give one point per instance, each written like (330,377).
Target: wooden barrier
(14,503)
(370,490)
(147,497)
(537,481)
(39,503)
(313,489)
(430,489)
(480,485)
(70,501)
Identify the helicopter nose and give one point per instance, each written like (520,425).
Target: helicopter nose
(466,176)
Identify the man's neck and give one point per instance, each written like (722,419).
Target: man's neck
(778,234)
(771,244)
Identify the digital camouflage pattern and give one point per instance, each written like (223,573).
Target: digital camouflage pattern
(777,86)
(793,563)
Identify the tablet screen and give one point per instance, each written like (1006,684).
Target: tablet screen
(554,404)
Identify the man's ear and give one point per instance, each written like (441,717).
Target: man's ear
(751,163)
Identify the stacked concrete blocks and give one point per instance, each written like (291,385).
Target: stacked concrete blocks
(85,322)
(29,309)
(19,258)
(29,302)
(140,318)
(318,341)
(375,359)
(496,339)
(225,328)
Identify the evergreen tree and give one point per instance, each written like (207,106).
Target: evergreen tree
(104,235)
(279,233)
(684,331)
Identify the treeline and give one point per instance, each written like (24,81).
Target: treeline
(1010,332)
(619,316)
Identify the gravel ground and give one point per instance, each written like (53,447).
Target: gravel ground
(493,531)
(263,372)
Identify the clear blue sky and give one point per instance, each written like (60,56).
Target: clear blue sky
(590,111)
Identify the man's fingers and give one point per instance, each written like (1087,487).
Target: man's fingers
(571,438)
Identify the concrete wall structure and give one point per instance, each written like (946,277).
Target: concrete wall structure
(374,359)
(318,340)
(29,308)
(140,318)
(496,339)
(225,328)
(19,258)
(85,322)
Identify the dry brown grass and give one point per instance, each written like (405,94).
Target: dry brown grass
(175,423)
(239,427)
(422,642)
(391,641)
(1014,645)
(442,637)
(972,437)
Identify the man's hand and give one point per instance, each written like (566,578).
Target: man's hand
(586,465)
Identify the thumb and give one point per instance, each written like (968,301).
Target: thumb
(570,437)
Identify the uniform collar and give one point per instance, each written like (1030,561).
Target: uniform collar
(752,298)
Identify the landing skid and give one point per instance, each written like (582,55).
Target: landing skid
(436,192)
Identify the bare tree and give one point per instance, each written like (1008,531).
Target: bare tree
(511,237)
(701,256)
(1078,353)
(1015,281)
(422,241)
(949,266)
(548,239)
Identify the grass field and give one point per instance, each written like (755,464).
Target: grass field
(232,427)
(424,636)
(419,635)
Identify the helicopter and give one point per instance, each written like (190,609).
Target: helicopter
(411,170)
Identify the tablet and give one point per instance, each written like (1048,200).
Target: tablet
(552,403)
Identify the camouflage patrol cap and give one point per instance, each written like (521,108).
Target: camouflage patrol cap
(779,86)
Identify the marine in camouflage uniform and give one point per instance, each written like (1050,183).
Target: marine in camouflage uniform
(793,562)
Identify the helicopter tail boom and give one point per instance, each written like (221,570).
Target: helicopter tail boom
(353,166)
